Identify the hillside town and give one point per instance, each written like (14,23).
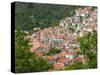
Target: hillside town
(64,37)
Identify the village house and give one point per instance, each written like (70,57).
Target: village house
(70,55)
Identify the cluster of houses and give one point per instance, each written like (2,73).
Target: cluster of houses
(64,37)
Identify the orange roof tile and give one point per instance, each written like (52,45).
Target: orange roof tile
(37,44)
(71,53)
(61,60)
(61,54)
(59,36)
(50,57)
(58,66)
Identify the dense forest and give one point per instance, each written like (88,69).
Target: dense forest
(30,15)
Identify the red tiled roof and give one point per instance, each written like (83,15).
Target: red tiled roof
(61,60)
(59,36)
(50,57)
(61,54)
(58,66)
(38,44)
(40,53)
(71,53)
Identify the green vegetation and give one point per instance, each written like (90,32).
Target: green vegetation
(76,66)
(71,28)
(53,51)
(88,45)
(31,15)
(25,60)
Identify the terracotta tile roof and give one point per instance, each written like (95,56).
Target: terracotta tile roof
(62,54)
(58,66)
(37,44)
(59,36)
(50,57)
(61,60)
(72,53)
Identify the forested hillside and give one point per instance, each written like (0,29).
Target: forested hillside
(30,15)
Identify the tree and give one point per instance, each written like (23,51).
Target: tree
(39,64)
(53,50)
(76,66)
(25,61)
(88,45)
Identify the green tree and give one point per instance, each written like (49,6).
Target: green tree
(88,45)
(76,66)
(26,61)
(53,50)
